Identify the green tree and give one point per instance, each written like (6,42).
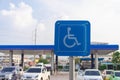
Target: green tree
(102,67)
(45,61)
(116,57)
(77,60)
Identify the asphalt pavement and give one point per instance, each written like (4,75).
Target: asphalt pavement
(61,76)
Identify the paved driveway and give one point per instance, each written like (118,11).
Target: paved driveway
(60,76)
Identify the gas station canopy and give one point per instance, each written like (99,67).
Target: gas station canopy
(102,49)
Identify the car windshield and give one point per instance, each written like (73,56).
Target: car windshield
(92,73)
(117,74)
(8,69)
(108,72)
(34,70)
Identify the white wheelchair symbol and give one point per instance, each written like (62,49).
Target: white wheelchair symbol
(70,37)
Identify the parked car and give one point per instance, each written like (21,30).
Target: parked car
(106,74)
(47,66)
(115,75)
(10,73)
(36,73)
(92,74)
(40,64)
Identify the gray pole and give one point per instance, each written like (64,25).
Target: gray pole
(11,57)
(35,43)
(35,35)
(72,68)
(22,58)
(96,60)
(52,62)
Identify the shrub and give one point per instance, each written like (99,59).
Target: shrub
(102,67)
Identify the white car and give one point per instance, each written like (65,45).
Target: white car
(92,74)
(36,73)
(10,73)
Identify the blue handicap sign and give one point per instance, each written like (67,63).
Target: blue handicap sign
(72,38)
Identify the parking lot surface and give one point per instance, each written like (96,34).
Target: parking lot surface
(61,76)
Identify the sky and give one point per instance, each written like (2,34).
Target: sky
(20,18)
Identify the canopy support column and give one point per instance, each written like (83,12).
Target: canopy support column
(11,58)
(96,60)
(92,61)
(52,62)
(22,59)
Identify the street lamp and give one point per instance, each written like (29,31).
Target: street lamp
(35,35)
(38,26)
(35,42)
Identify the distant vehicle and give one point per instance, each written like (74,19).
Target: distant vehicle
(47,66)
(40,65)
(92,74)
(80,75)
(106,74)
(10,73)
(115,75)
(36,73)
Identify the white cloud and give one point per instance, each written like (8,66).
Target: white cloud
(20,16)
(104,16)
(20,24)
(41,27)
(12,6)
(64,17)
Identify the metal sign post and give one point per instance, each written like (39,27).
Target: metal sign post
(72,68)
